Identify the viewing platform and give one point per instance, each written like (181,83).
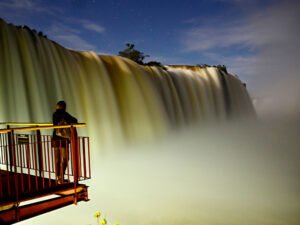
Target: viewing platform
(27,170)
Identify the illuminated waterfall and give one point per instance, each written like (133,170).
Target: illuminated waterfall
(119,99)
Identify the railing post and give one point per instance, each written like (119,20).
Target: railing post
(40,151)
(10,147)
(74,160)
(13,156)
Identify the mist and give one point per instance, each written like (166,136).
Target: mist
(230,174)
(277,77)
(242,172)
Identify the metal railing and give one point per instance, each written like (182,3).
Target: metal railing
(28,160)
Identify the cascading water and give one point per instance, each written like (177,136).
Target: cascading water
(119,99)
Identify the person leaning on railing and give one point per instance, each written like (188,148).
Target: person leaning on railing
(61,139)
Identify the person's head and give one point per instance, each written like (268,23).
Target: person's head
(61,105)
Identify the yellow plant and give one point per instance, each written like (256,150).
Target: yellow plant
(97,214)
(103,221)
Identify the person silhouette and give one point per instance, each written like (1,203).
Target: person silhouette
(61,139)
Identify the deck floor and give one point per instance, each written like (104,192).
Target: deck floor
(21,187)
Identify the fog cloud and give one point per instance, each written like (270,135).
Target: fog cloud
(238,174)
(277,68)
(270,34)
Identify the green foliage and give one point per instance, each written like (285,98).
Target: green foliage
(131,53)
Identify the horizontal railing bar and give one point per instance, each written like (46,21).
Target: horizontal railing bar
(41,127)
(5,130)
(25,124)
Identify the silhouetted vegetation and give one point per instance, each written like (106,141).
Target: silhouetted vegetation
(131,53)
(222,68)
(31,31)
(137,56)
(155,63)
(203,65)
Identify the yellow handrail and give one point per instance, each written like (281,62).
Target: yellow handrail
(41,127)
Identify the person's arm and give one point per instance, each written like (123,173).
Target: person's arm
(70,119)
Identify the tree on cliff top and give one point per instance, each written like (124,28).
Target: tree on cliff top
(131,53)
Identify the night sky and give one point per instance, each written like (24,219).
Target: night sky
(169,31)
(230,32)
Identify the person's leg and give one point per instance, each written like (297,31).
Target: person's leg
(57,163)
(64,161)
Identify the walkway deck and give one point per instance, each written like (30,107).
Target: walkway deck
(27,172)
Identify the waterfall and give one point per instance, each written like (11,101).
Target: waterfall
(118,99)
